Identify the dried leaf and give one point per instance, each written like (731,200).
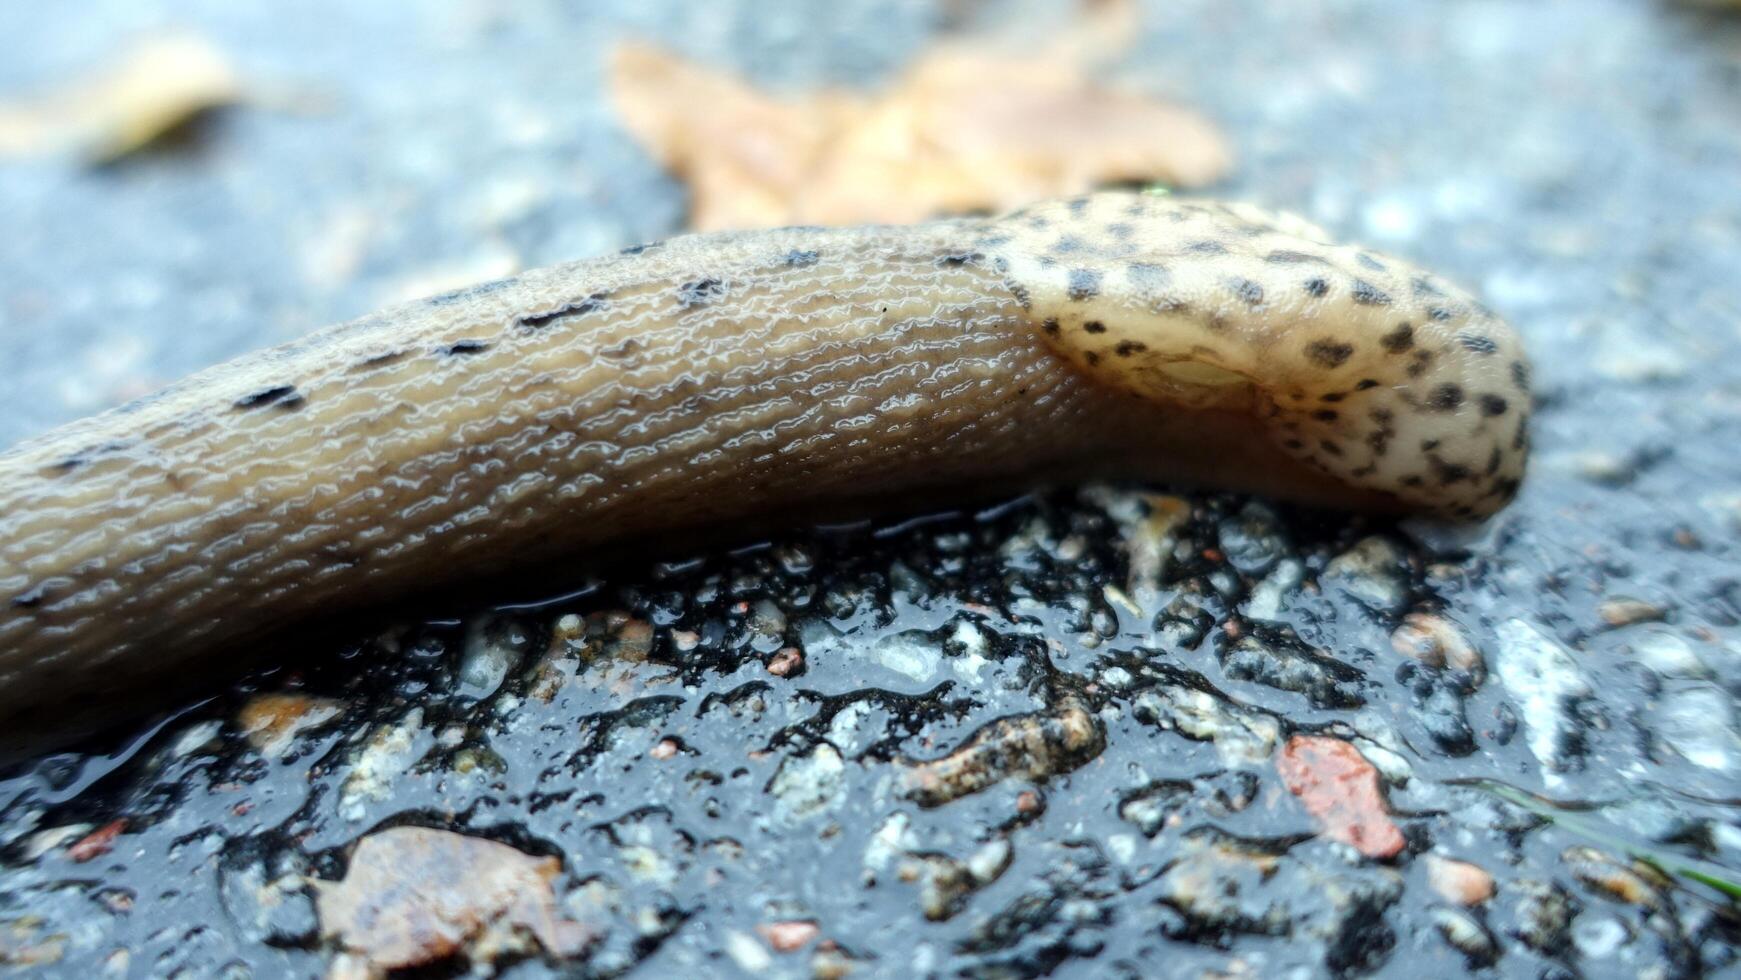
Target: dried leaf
(146,92)
(1340,790)
(965,128)
(414,896)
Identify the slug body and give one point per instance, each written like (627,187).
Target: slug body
(721,378)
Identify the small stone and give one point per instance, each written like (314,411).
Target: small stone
(748,954)
(1436,642)
(664,750)
(1697,721)
(787,662)
(1340,790)
(1625,611)
(1465,933)
(1599,871)
(1458,881)
(807,784)
(1544,679)
(788,936)
(271,722)
(1667,653)
(98,842)
(1370,573)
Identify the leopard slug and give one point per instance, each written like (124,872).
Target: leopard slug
(712,380)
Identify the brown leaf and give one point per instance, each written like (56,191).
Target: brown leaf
(967,127)
(414,896)
(1340,790)
(149,90)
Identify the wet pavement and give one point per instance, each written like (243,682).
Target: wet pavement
(1078,732)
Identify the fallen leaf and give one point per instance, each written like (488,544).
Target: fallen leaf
(967,127)
(98,842)
(147,91)
(414,896)
(1340,790)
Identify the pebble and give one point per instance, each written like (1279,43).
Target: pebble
(1437,642)
(1459,882)
(1666,652)
(1698,722)
(806,785)
(1542,678)
(1370,573)
(1624,611)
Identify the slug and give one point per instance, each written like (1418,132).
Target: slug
(718,379)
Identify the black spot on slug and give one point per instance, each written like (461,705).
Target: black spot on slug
(1091,357)
(1330,447)
(1449,473)
(582,307)
(1400,339)
(1050,326)
(87,456)
(1248,291)
(1287,257)
(381,360)
(798,258)
(1317,287)
(1084,283)
(1366,384)
(32,597)
(699,292)
(1329,353)
(269,396)
(1493,405)
(638,249)
(461,348)
(1206,248)
(1326,415)
(1067,245)
(1126,348)
(1366,294)
(1424,287)
(1520,375)
(1445,397)
(1476,343)
(1020,292)
(1094,326)
(1370,262)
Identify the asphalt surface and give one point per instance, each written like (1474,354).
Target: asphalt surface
(1576,162)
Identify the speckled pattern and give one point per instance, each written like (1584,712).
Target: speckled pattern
(1041,738)
(1364,367)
